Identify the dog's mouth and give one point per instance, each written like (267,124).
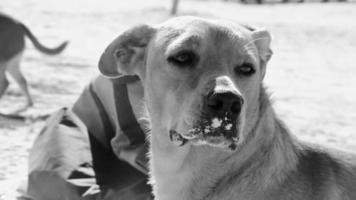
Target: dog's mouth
(216,132)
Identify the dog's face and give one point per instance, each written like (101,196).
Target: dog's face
(202,78)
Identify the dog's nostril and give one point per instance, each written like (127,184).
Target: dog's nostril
(226,102)
(236,107)
(215,104)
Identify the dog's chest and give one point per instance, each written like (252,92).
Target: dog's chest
(172,185)
(190,184)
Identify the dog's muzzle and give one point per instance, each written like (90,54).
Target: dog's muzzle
(219,123)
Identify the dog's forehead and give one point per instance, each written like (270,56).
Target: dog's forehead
(192,30)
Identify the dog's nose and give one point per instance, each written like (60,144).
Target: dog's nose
(223,103)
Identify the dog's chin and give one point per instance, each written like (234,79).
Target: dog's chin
(217,134)
(219,142)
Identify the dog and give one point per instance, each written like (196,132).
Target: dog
(214,134)
(12,44)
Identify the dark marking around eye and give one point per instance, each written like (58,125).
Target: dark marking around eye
(245,69)
(184,59)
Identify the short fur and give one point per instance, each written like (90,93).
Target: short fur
(268,163)
(12,44)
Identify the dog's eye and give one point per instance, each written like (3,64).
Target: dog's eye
(246,69)
(183,59)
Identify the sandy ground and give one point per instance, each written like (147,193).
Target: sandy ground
(311,76)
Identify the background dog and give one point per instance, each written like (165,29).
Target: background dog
(12,44)
(214,132)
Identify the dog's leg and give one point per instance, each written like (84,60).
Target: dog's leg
(15,71)
(4,83)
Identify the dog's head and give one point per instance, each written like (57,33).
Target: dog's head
(202,78)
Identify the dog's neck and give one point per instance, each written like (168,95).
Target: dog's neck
(200,172)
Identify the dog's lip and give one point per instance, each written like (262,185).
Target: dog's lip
(177,138)
(218,133)
(212,127)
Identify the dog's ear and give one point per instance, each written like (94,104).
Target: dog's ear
(126,54)
(262,40)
